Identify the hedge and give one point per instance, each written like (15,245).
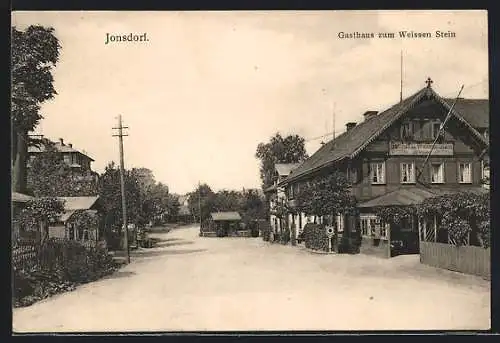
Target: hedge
(315,237)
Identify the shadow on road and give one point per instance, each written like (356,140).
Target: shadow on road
(119,274)
(153,253)
(171,244)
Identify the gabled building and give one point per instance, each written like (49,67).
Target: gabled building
(76,159)
(383,158)
(276,193)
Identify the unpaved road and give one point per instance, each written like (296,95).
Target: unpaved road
(189,283)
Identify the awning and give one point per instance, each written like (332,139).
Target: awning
(413,196)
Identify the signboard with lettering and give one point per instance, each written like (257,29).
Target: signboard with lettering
(420,149)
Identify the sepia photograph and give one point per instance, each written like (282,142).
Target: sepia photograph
(250,171)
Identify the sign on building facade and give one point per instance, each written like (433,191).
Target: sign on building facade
(420,149)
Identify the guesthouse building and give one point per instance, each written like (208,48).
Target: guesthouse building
(401,156)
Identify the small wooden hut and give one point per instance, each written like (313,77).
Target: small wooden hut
(225,224)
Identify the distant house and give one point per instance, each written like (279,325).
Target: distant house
(276,194)
(184,214)
(76,159)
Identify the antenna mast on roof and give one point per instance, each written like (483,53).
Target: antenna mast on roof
(333,120)
(401,85)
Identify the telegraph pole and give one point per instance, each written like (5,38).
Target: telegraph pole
(120,136)
(199,201)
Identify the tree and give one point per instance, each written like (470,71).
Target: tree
(290,149)
(204,196)
(326,195)
(110,195)
(49,175)
(253,205)
(35,52)
(226,201)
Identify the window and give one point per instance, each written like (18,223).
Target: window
(407,173)
(371,226)
(364,227)
(383,230)
(435,128)
(407,130)
(340,223)
(377,171)
(67,159)
(352,174)
(464,173)
(437,173)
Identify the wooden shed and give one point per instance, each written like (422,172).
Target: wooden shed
(225,223)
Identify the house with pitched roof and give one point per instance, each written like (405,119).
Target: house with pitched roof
(76,159)
(385,159)
(276,194)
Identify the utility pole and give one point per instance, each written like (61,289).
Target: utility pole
(401,85)
(120,136)
(333,120)
(199,201)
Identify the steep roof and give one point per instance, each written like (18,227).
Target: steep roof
(475,111)
(352,142)
(225,216)
(284,169)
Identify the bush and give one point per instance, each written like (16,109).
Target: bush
(315,237)
(62,264)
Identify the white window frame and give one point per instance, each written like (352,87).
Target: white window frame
(339,221)
(460,164)
(373,169)
(440,173)
(370,231)
(411,172)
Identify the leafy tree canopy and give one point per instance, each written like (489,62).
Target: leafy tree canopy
(289,149)
(35,51)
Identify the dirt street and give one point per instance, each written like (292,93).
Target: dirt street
(189,283)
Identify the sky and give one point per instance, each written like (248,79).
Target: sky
(208,87)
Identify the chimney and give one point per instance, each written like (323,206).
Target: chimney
(369,114)
(61,141)
(70,145)
(349,126)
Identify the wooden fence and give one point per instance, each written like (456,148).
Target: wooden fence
(465,259)
(26,253)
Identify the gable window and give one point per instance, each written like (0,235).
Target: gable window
(464,172)
(407,173)
(437,173)
(377,171)
(407,130)
(435,128)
